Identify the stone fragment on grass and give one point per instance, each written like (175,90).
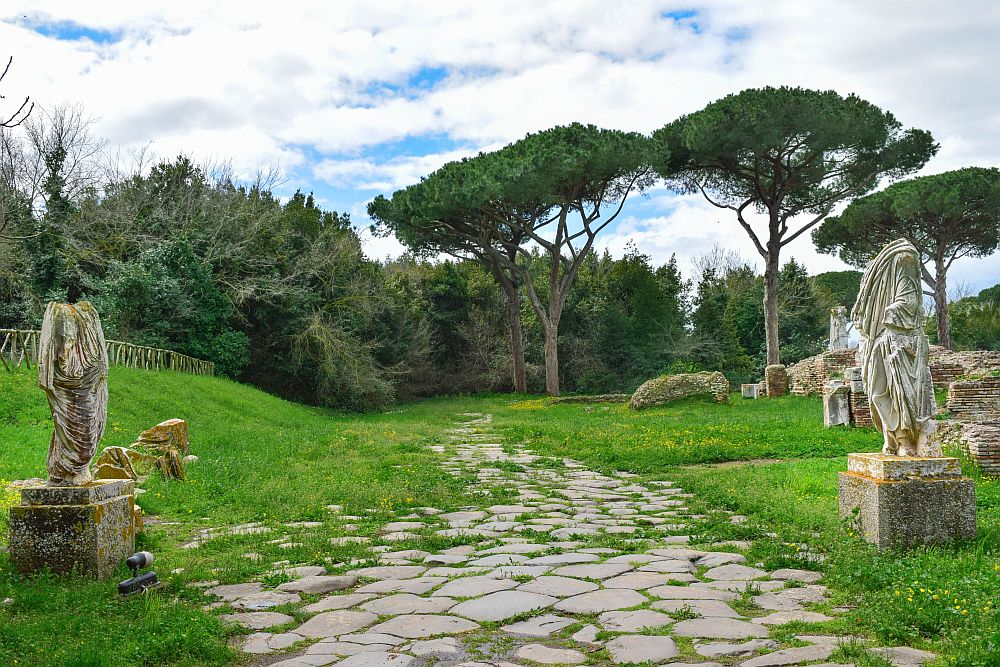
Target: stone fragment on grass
(230,592)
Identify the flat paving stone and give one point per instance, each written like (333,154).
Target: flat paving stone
(390,571)
(523,548)
(729,650)
(333,623)
(635,559)
(502,605)
(633,621)
(266,600)
(547,655)
(782,617)
(265,642)
(691,593)
(719,628)
(442,647)
(704,608)
(731,572)
(640,648)
(258,620)
(417,586)
(565,559)
(714,559)
(338,602)
(587,634)
(377,659)
(668,565)
(789,574)
(789,599)
(421,626)
(791,656)
(319,584)
(601,600)
(470,587)
(230,592)
(540,626)
(637,581)
(904,656)
(559,587)
(407,603)
(596,571)
(335,648)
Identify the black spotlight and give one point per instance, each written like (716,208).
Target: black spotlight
(139,582)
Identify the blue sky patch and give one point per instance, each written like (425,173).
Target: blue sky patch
(71,32)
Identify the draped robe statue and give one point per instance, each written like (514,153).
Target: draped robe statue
(839,325)
(893,351)
(73,371)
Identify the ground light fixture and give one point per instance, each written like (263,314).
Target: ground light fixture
(139,583)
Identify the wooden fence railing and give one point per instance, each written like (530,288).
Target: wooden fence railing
(20,347)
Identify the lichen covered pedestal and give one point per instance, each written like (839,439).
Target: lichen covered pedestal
(88,529)
(905,501)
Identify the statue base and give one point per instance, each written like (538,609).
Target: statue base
(85,529)
(905,501)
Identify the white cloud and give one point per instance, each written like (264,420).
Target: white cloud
(316,85)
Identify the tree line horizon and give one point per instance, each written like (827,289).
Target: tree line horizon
(280,294)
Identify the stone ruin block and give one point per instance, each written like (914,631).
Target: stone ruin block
(751,390)
(776,380)
(908,501)
(975,400)
(836,404)
(86,529)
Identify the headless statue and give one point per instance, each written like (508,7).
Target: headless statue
(839,328)
(73,371)
(894,351)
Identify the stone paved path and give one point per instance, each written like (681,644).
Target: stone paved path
(531,587)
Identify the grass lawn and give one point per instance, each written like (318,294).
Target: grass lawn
(269,461)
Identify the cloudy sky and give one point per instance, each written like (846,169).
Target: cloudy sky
(352,99)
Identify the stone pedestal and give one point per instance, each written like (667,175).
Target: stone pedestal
(908,501)
(750,390)
(88,529)
(776,380)
(836,404)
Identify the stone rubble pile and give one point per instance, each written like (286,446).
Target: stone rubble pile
(546,579)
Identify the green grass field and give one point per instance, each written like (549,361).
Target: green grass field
(266,460)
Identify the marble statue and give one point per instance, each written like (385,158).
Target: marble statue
(73,371)
(839,326)
(893,351)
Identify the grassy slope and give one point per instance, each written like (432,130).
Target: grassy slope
(261,459)
(945,598)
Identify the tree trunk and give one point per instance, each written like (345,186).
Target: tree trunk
(516,338)
(941,303)
(551,358)
(771,303)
